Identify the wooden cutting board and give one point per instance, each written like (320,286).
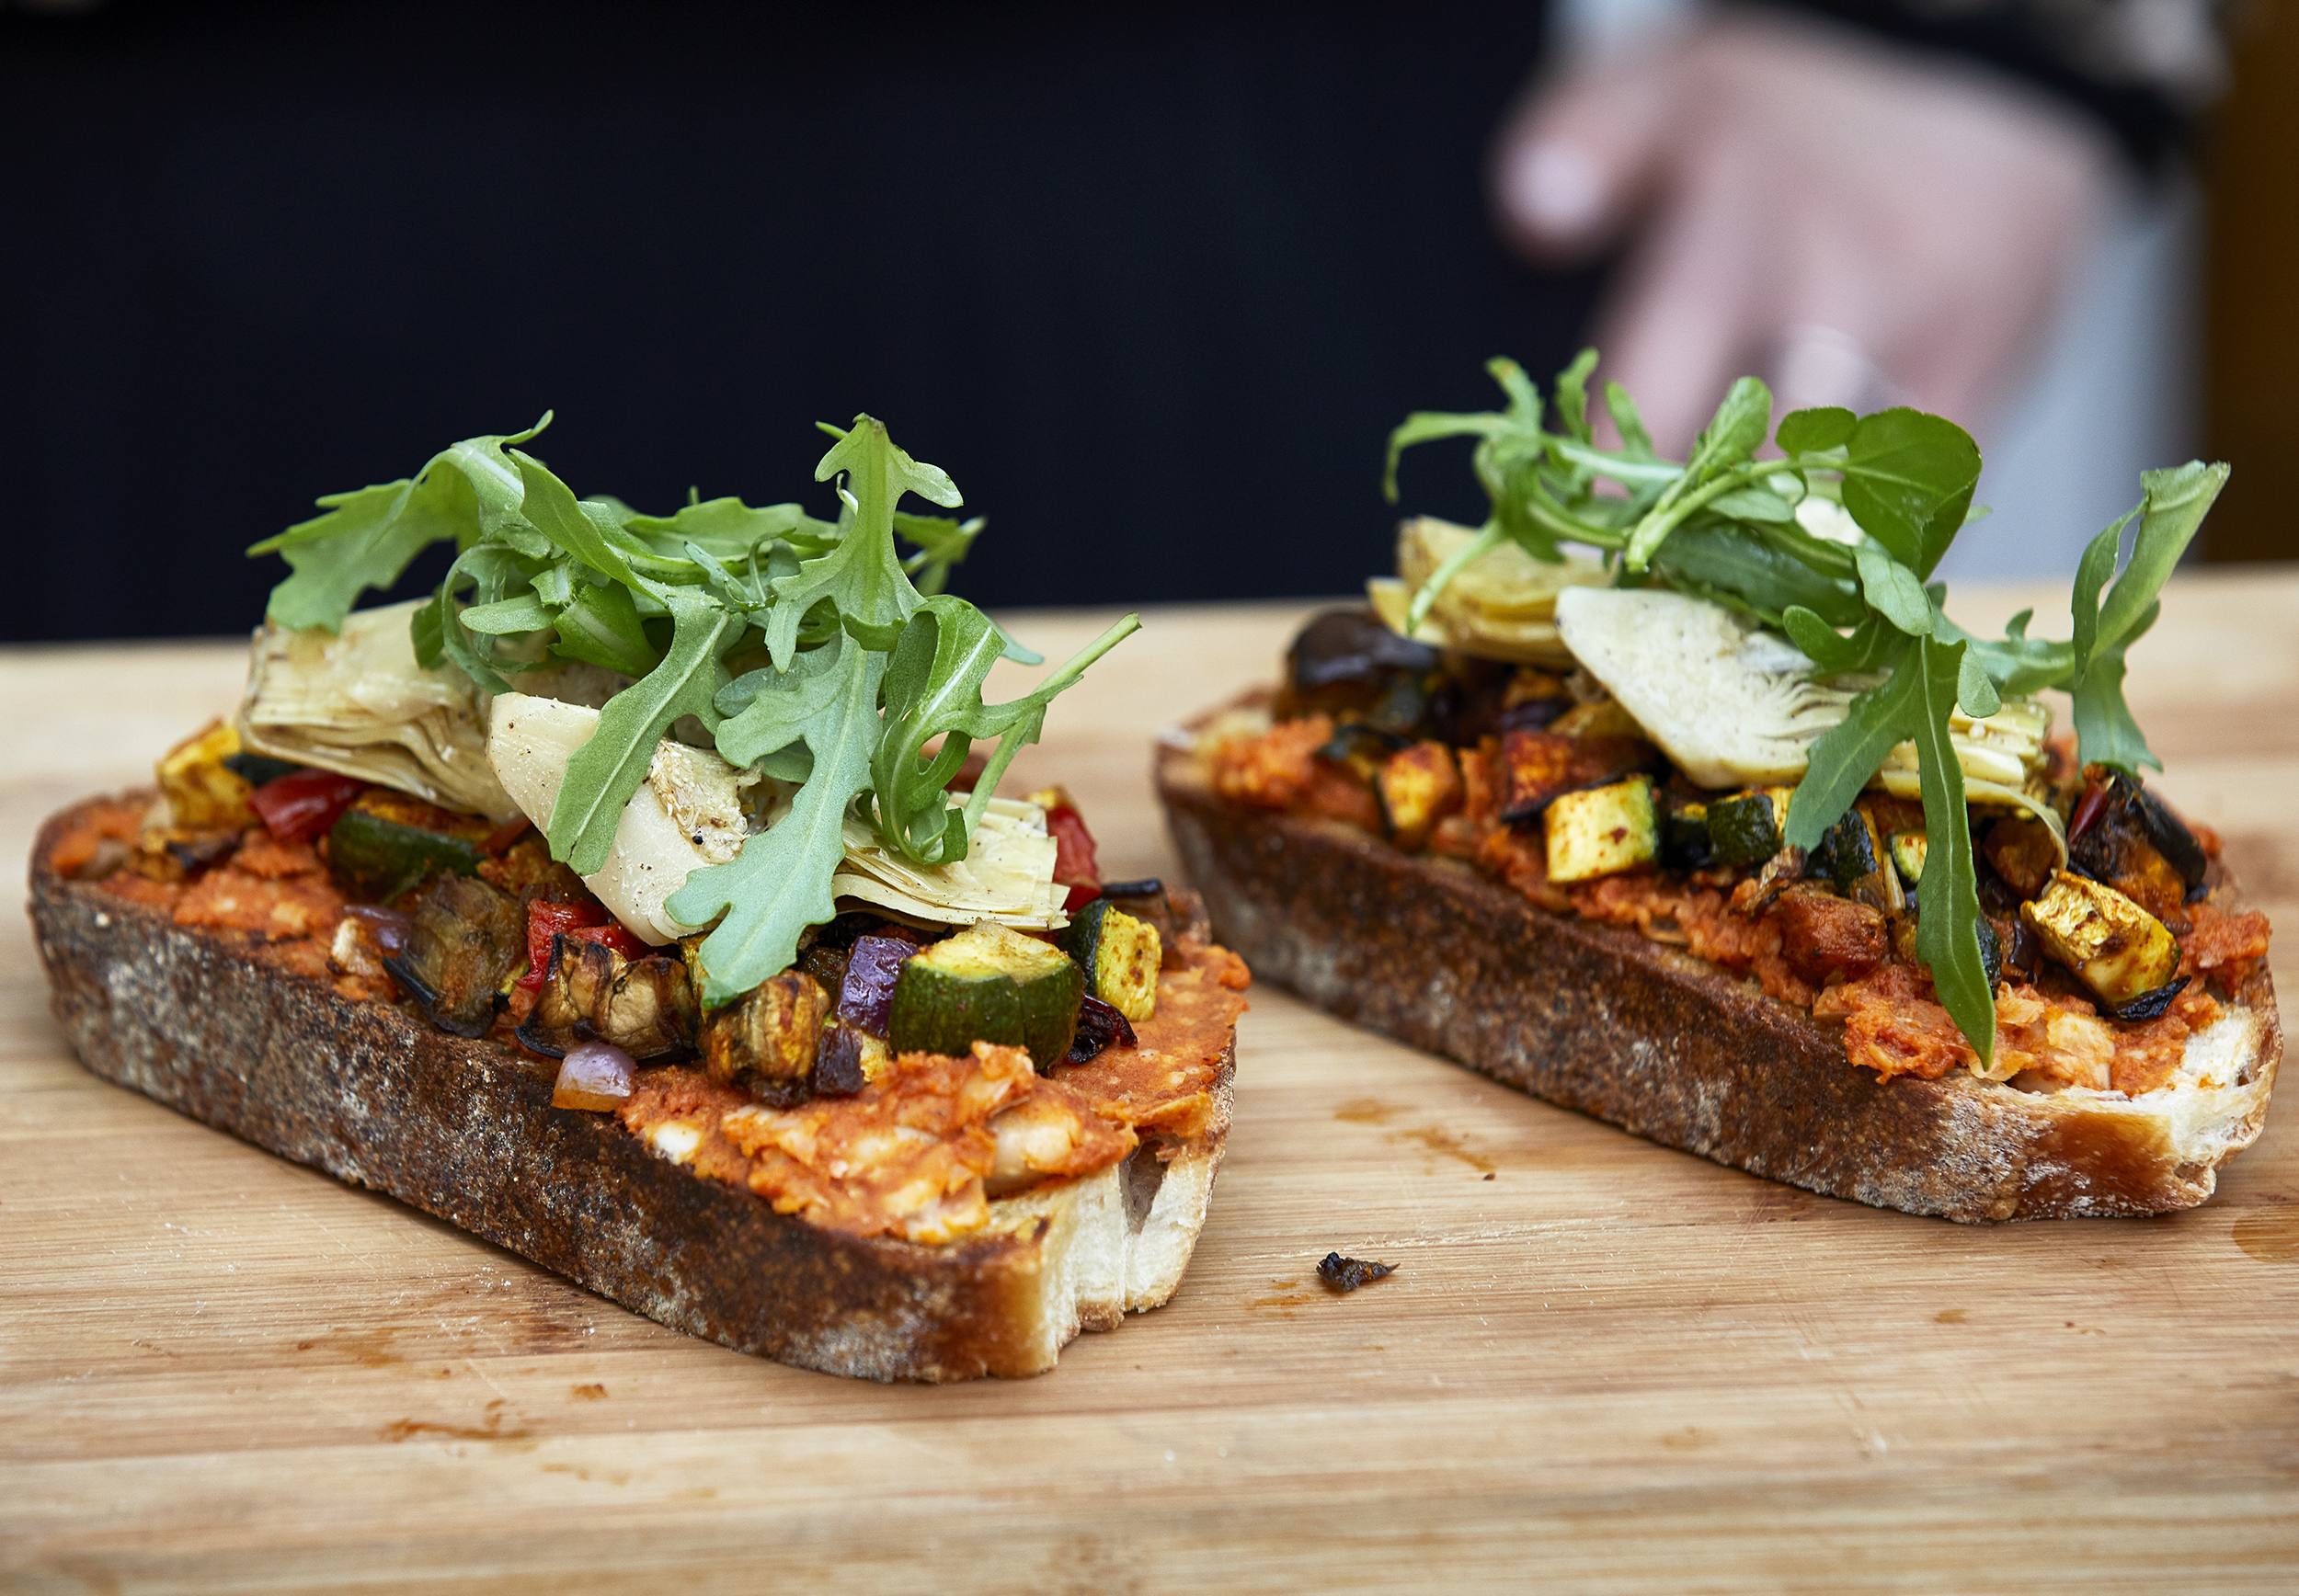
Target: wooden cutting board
(1600,1363)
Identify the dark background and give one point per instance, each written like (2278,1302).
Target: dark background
(1151,284)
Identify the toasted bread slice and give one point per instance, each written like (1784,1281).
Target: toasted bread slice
(1599,1019)
(465,1130)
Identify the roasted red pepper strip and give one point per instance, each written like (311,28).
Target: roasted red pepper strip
(614,935)
(1074,866)
(302,804)
(2088,808)
(547,920)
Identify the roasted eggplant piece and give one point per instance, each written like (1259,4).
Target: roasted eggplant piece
(2022,852)
(2149,1005)
(842,1060)
(1346,663)
(1602,830)
(1535,767)
(1417,787)
(590,993)
(2112,944)
(2137,846)
(464,938)
(866,988)
(768,1038)
(1101,1026)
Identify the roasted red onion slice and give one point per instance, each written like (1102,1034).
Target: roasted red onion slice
(593,1074)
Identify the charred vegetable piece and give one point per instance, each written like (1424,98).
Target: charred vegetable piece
(203,791)
(1602,830)
(1120,955)
(546,920)
(2125,847)
(386,842)
(1347,1274)
(1851,855)
(256,769)
(1346,663)
(1417,787)
(1685,836)
(464,941)
(2149,1005)
(1074,864)
(1100,1028)
(1745,828)
(302,804)
(1534,767)
(1991,951)
(841,1060)
(1908,855)
(1827,939)
(2172,840)
(1360,748)
(768,1038)
(865,994)
(2112,944)
(591,992)
(988,983)
(2022,852)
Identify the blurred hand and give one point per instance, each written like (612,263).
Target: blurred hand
(1859,224)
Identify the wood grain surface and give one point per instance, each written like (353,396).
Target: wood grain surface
(1600,1364)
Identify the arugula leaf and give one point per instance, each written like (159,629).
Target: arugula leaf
(1834,652)
(779,883)
(1913,704)
(1815,430)
(1572,395)
(862,575)
(767,711)
(1947,898)
(600,626)
(1627,420)
(1722,461)
(1891,590)
(933,689)
(2106,733)
(1908,479)
(367,538)
(607,770)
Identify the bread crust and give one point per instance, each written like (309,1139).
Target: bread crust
(1598,1019)
(465,1129)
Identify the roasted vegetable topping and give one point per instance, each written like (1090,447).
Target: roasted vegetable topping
(767,1040)
(988,983)
(1536,766)
(303,805)
(1417,787)
(2022,852)
(1101,1026)
(201,788)
(865,992)
(1827,939)
(386,842)
(1684,843)
(1851,855)
(1745,828)
(1120,955)
(1602,830)
(593,992)
(464,941)
(2112,945)
(594,1075)
(547,920)
(1908,855)
(1348,664)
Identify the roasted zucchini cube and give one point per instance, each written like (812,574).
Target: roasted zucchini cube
(1908,849)
(386,842)
(1120,955)
(988,983)
(1417,787)
(1747,828)
(1852,856)
(1685,836)
(2112,945)
(203,793)
(1534,767)
(1602,830)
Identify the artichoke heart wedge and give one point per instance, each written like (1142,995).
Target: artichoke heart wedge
(695,810)
(1501,605)
(1736,706)
(357,702)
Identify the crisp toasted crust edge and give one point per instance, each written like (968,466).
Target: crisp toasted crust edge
(1598,1019)
(465,1129)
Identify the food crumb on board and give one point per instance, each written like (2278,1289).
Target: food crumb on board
(1347,1274)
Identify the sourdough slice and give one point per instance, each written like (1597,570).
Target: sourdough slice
(1599,1019)
(465,1130)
